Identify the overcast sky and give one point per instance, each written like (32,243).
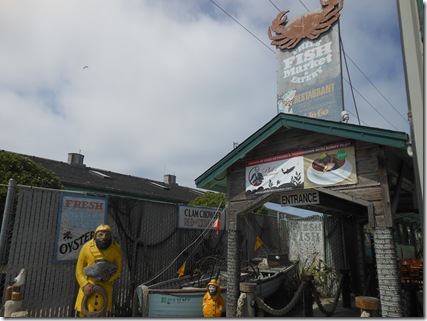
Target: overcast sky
(170,85)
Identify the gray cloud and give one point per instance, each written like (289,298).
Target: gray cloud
(170,85)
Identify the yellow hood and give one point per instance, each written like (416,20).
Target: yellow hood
(103,228)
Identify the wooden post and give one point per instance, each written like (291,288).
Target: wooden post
(307,300)
(368,306)
(249,289)
(346,297)
(13,302)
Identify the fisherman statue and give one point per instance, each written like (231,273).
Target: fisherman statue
(98,265)
(213,303)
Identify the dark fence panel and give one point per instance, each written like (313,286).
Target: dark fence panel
(153,247)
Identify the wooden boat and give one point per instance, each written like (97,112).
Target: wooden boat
(182,297)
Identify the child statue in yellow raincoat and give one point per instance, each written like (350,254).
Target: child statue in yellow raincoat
(213,303)
(98,265)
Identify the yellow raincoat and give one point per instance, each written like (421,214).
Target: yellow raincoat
(213,304)
(89,253)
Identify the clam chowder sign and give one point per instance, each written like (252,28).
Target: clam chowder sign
(194,217)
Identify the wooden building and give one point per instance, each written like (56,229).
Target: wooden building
(380,194)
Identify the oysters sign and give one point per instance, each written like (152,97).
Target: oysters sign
(79,216)
(308,55)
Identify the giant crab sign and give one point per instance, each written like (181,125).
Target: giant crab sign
(310,25)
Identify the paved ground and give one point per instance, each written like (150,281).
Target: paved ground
(327,303)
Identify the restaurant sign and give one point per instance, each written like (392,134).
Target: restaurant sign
(79,216)
(308,56)
(332,164)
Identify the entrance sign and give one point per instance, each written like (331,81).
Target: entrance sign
(305,197)
(200,217)
(79,216)
(308,56)
(333,164)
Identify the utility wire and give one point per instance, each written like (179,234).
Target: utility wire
(300,1)
(242,26)
(376,88)
(274,5)
(348,74)
(371,105)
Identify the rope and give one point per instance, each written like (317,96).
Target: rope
(200,238)
(101,312)
(337,296)
(262,305)
(145,293)
(240,305)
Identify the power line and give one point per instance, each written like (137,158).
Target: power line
(274,5)
(376,88)
(300,1)
(348,74)
(242,26)
(370,104)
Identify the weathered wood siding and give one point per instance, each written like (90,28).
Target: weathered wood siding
(368,188)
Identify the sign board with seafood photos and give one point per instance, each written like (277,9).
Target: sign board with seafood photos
(79,216)
(327,165)
(309,79)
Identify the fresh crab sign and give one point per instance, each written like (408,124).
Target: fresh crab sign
(309,79)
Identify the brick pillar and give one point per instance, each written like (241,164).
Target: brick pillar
(388,273)
(233,271)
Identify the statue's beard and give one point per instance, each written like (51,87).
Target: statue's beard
(103,245)
(213,292)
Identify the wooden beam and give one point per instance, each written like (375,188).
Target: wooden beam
(398,188)
(382,170)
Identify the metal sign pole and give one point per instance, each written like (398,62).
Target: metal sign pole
(6,215)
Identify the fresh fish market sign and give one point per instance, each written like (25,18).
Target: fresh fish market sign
(308,56)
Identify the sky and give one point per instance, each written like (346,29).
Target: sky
(155,87)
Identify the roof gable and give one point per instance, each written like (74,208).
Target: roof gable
(215,177)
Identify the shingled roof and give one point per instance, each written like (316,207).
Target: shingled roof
(74,175)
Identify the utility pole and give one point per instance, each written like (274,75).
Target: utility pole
(412,49)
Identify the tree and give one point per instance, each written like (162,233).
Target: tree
(25,172)
(211,199)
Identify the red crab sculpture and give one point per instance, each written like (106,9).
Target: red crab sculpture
(310,25)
